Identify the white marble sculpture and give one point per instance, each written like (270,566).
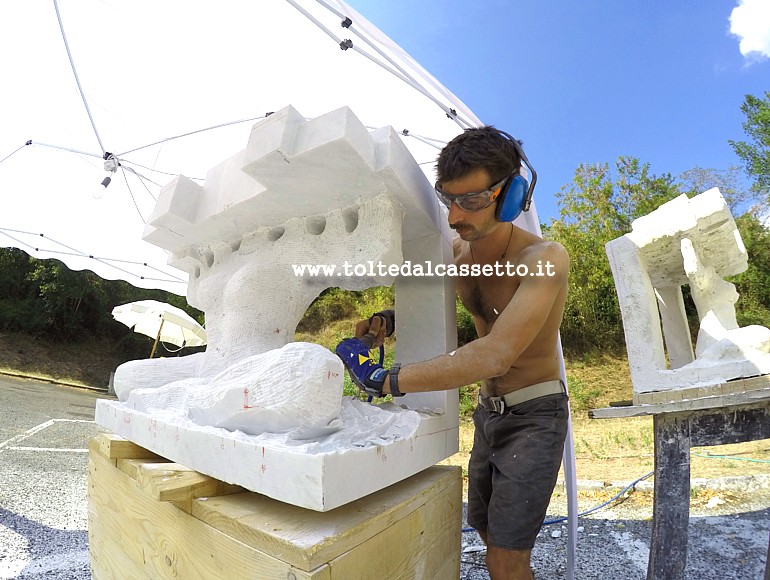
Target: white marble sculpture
(255,408)
(690,242)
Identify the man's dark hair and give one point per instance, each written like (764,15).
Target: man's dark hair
(475,148)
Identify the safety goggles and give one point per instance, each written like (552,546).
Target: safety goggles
(471,201)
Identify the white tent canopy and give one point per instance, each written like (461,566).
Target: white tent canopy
(154,70)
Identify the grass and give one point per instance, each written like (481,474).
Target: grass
(606,449)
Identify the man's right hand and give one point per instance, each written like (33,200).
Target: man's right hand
(367,374)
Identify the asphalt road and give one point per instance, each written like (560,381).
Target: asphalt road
(44,433)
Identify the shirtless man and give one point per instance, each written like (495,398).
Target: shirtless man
(521,419)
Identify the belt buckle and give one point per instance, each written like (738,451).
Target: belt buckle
(493,404)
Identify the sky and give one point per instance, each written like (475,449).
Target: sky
(587,82)
(578,82)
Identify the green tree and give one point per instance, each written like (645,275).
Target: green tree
(19,302)
(73,302)
(755,153)
(753,285)
(45,298)
(698,179)
(599,206)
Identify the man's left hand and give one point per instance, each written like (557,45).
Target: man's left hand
(373,330)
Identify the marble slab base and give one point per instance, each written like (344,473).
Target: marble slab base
(317,481)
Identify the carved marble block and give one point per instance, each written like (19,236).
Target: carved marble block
(691,242)
(255,408)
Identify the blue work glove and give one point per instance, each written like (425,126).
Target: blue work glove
(366,373)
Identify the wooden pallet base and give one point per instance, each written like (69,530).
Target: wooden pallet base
(149,518)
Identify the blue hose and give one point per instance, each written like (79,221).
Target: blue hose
(593,509)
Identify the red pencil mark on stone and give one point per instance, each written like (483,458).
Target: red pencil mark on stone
(246,399)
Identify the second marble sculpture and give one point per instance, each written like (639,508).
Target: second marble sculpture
(692,242)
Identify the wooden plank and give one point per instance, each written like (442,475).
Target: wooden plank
(737,385)
(307,538)
(94,446)
(671,509)
(115,447)
(756,398)
(400,549)
(107,556)
(733,387)
(131,467)
(441,560)
(425,511)
(133,536)
(174,482)
(451,568)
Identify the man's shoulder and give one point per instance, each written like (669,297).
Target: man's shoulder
(538,248)
(547,256)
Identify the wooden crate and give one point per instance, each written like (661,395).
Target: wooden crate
(149,518)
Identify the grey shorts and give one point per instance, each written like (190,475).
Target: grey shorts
(513,468)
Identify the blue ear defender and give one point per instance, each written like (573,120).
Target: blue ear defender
(512,199)
(516,194)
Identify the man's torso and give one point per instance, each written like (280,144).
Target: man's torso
(485,297)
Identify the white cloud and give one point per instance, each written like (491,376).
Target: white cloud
(750,21)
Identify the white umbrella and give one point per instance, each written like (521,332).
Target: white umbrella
(162,322)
